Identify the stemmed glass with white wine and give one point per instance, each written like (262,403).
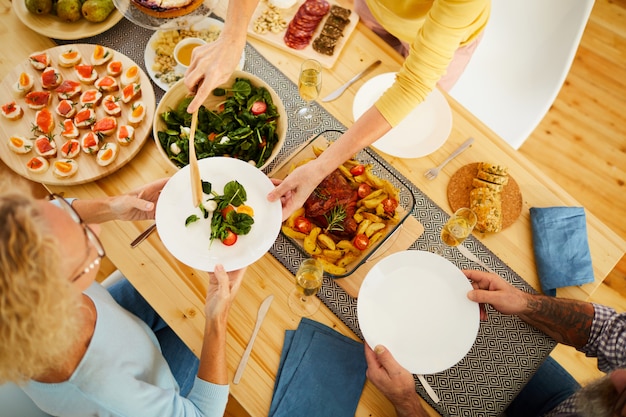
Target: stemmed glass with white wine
(302,300)
(309,87)
(457,228)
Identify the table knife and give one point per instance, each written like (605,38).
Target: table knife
(335,94)
(429,390)
(469,255)
(265,306)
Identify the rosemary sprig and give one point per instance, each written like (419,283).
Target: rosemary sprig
(335,219)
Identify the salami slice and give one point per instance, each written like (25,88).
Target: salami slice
(305,22)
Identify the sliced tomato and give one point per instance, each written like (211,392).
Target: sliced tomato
(230,238)
(361,241)
(364,190)
(227,210)
(258,107)
(389,205)
(357,170)
(302,224)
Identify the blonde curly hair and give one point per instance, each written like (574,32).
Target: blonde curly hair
(39,308)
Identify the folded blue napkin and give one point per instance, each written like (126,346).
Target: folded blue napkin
(561,248)
(321,373)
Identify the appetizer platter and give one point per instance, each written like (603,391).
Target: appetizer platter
(74,113)
(54,27)
(350,215)
(490,191)
(317,29)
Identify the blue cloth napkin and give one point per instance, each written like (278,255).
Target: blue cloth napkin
(321,373)
(561,248)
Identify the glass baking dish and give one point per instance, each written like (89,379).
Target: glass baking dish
(406,199)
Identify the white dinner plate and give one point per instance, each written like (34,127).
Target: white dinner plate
(150,54)
(415,304)
(420,133)
(191,245)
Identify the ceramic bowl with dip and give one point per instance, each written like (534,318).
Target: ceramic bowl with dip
(269,127)
(183,51)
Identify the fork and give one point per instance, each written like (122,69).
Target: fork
(432,173)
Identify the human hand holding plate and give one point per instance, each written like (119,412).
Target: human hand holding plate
(192,245)
(415,304)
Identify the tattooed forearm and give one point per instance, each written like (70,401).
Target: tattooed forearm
(566,321)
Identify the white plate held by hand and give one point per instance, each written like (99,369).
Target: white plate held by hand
(422,131)
(191,245)
(415,303)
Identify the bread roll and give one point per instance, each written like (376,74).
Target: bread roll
(487,204)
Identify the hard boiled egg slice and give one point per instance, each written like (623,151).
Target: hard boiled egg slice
(20,145)
(69,57)
(131,75)
(23,84)
(107,154)
(137,113)
(101,55)
(65,168)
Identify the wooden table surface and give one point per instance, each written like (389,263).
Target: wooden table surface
(177,291)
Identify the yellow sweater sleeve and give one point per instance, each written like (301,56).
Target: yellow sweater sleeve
(439,28)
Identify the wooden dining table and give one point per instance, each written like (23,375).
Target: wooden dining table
(177,292)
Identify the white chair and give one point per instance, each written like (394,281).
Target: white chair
(521,63)
(14,402)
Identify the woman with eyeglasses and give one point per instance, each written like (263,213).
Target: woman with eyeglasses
(77,349)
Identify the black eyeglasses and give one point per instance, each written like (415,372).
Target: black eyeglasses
(90,236)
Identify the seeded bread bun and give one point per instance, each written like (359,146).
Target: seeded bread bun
(167,8)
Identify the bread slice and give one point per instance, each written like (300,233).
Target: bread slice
(487,204)
(493,168)
(478,183)
(493,178)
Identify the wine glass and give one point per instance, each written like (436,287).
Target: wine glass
(309,87)
(302,300)
(457,228)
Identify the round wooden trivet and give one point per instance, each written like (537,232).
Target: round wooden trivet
(460,186)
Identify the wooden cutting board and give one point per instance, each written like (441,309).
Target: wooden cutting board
(276,39)
(88,169)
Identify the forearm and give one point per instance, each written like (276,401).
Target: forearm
(365,131)
(410,407)
(96,210)
(566,321)
(212,367)
(238,16)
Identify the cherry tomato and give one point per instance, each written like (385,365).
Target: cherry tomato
(302,224)
(227,210)
(211,136)
(357,170)
(361,241)
(230,238)
(258,107)
(389,205)
(364,190)
(263,143)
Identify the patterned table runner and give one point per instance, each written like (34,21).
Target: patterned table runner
(507,351)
